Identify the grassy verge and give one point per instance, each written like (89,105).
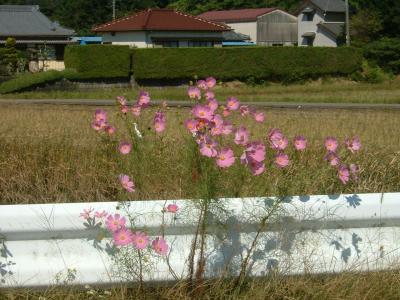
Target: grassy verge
(382,285)
(315,92)
(51,154)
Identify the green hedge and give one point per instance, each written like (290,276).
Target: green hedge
(385,53)
(30,80)
(271,63)
(99,61)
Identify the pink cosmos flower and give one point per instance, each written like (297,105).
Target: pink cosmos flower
(331,144)
(227,128)
(172,208)
(202,84)
(259,117)
(244,110)
(354,169)
(209,95)
(86,213)
(255,151)
(125,147)
(200,138)
(100,214)
(122,100)
(212,104)
(226,112)
(203,112)
(136,110)
(300,143)
(144,99)
(110,129)
(353,144)
(191,125)
(124,109)
(257,168)
(333,158)
(218,120)
(126,183)
(100,115)
(282,160)
(343,174)
(277,139)
(232,103)
(241,136)
(123,237)
(216,130)
(159,121)
(99,125)
(140,240)
(115,223)
(160,246)
(211,82)
(194,93)
(208,148)
(225,158)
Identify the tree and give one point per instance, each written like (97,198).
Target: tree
(10,58)
(365,26)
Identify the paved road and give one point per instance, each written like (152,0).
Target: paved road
(288,105)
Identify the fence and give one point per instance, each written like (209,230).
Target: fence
(49,244)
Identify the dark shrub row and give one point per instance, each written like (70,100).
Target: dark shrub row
(385,53)
(99,61)
(270,63)
(30,80)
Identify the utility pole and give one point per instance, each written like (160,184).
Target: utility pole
(113,8)
(347,23)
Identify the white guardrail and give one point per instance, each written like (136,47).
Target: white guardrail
(48,244)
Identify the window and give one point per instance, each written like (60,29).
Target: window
(309,16)
(309,41)
(200,44)
(166,44)
(277,44)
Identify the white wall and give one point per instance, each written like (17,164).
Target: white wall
(322,37)
(143,39)
(248,28)
(132,38)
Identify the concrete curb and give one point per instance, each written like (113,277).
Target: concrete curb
(175,103)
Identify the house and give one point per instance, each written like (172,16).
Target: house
(265,26)
(162,28)
(32,30)
(320,22)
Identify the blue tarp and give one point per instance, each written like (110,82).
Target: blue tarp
(83,40)
(238,44)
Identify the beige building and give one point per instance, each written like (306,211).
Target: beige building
(162,28)
(320,22)
(265,26)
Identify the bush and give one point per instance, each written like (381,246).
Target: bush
(29,80)
(99,61)
(385,53)
(370,74)
(267,63)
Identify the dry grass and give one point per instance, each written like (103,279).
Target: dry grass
(50,154)
(332,91)
(383,285)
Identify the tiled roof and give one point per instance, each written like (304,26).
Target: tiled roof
(235,36)
(239,15)
(324,5)
(27,20)
(330,5)
(160,19)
